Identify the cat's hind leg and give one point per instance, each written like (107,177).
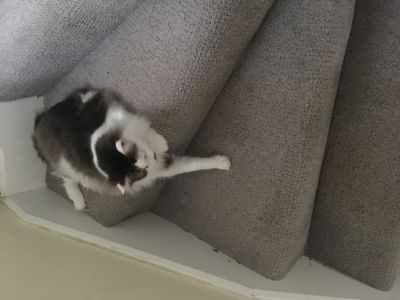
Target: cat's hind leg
(74,193)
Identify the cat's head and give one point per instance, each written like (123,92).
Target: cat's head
(124,162)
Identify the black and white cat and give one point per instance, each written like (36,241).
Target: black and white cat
(95,139)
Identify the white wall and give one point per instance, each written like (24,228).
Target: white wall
(20,168)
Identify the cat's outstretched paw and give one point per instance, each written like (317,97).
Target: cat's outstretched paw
(222,162)
(162,145)
(156,141)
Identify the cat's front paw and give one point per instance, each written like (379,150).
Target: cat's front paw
(75,194)
(78,200)
(162,145)
(222,162)
(79,205)
(156,141)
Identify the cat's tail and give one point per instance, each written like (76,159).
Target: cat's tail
(38,119)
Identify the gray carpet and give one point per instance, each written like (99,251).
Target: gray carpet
(356,221)
(272,119)
(41,40)
(171,60)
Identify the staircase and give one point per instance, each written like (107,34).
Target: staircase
(311,128)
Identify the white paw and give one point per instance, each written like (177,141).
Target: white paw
(162,145)
(222,162)
(79,204)
(76,196)
(78,200)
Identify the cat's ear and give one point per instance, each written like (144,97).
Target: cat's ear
(119,145)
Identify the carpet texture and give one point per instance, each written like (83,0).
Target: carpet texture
(41,40)
(272,119)
(356,220)
(170,59)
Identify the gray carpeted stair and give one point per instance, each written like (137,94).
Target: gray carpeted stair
(272,119)
(41,40)
(356,221)
(171,60)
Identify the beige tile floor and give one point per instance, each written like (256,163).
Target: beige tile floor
(36,264)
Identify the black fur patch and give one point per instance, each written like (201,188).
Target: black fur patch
(117,165)
(35,145)
(111,161)
(77,124)
(73,123)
